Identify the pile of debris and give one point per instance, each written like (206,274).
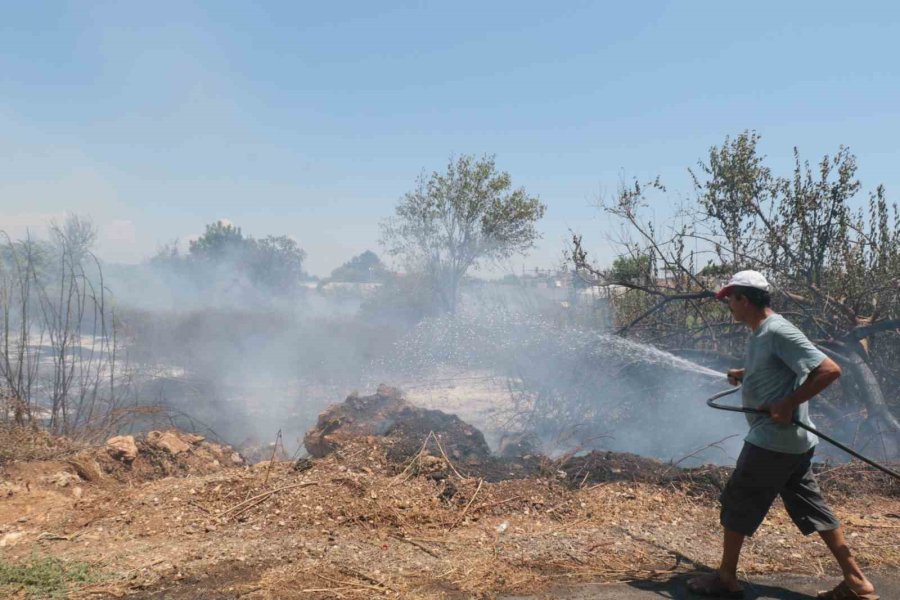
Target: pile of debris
(438,444)
(403,426)
(157,454)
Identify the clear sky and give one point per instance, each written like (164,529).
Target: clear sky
(311,119)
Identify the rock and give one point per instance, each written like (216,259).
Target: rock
(8,489)
(62,479)
(86,467)
(169,441)
(302,464)
(122,447)
(11,539)
(191,438)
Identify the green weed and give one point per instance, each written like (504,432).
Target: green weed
(43,576)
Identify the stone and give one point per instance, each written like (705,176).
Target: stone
(168,441)
(11,539)
(8,489)
(62,479)
(86,467)
(122,447)
(191,438)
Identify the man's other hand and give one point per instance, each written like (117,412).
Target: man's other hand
(782,412)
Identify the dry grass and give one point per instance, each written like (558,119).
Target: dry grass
(355,526)
(22,443)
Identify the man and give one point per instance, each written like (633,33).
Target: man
(783,370)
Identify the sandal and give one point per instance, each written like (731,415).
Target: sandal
(714,587)
(843,592)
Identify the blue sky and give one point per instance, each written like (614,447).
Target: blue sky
(312,119)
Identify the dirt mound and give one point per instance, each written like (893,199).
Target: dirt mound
(164,454)
(438,445)
(404,427)
(123,459)
(856,478)
(601,466)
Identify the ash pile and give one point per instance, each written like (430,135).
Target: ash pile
(437,445)
(406,431)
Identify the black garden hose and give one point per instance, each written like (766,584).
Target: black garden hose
(743,409)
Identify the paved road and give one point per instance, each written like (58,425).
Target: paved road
(780,587)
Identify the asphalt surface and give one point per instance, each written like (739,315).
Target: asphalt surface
(775,587)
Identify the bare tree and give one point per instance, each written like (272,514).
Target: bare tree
(61,361)
(836,271)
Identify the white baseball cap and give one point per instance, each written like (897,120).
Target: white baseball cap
(752,279)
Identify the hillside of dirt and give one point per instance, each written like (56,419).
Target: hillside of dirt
(394,501)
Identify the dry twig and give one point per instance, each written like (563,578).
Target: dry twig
(444,454)
(466,509)
(418,545)
(249,503)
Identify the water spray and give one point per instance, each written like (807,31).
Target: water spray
(743,409)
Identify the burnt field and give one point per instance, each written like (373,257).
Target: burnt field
(394,501)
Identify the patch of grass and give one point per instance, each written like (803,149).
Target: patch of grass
(43,576)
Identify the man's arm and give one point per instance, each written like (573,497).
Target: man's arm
(819,378)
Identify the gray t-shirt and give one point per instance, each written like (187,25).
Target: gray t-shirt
(779,357)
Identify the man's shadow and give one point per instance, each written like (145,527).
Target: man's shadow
(676,588)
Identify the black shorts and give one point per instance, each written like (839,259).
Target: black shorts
(762,474)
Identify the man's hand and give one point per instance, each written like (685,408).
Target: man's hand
(783,411)
(818,379)
(735,376)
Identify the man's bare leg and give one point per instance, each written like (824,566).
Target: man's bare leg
(853,575)
(727,573)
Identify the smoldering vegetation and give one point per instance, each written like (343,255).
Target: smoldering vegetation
(209,347)
(573,387)
(246,373)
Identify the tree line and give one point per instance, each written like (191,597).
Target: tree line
(63,364)
(831,250)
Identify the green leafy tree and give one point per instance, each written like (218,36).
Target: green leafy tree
(219,241)
(362,268)
(453,221)
(631,269)
(274,262)
(277,262)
